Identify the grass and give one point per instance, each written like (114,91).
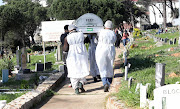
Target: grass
(35,59)
(143,59)
(168,35)
(10,97)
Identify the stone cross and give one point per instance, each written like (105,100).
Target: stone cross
(177,22)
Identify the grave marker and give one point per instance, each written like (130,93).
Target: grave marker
(165,40)
(143,94)
(28,58)
(170,42)
(39,67)
(129,82)
(5,74)
(174,41)
(17,57)
(23,59)
(160,75)
(167,97)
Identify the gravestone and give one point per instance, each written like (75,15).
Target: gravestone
(61,68)
(39,67)
(23,59)
(28,58)
(160,75)
(129,82)
(155,40)
(162,39)
(17,57)
(165,40)
(5,74)
(143,97)
(48,65)
(59,52)
(174,41)
(170,42)
(167,97)
(138,87)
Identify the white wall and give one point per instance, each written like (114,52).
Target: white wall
(159,18)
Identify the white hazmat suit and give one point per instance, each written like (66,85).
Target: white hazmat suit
(105,52)
(92,49)
(77,59)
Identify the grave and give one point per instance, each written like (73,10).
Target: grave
(129,82)
(160,75)
(39,67)
(143,96)
(167,97)
(170,42)
(23,59)
(48,65)
(174,41)
(28,58)
(165,40)
(17,56)
(5,74)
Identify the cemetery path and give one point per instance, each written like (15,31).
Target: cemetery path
(93,98)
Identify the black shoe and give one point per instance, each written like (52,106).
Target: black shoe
(77,91)
(106,87)
(99,77)
(95,79)
(81,87)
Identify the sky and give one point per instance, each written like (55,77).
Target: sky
(1,2)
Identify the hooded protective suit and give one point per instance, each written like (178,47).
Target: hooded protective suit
(77,59)
(105,52)
(92,48)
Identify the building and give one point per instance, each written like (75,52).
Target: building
(155,15)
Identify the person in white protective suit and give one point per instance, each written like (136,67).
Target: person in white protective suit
(94,71)
(77,59)
(105,54)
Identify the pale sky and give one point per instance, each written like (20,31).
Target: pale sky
(1,2)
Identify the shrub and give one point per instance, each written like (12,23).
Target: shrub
(6,63)
(137,33)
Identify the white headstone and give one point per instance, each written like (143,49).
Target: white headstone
(160,75)
(167,97)
(143,96)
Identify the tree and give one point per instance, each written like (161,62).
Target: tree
(33,13)
(106,9)
(21,18)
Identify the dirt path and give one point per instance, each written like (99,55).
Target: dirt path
(93,98)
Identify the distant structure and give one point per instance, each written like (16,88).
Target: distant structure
(154,13)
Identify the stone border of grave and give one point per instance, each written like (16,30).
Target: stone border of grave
(112,101)
(27,100)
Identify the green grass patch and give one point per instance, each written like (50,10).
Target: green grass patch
(143,59)
(10,97)
(168,35)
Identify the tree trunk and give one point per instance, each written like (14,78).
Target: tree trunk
(164,14)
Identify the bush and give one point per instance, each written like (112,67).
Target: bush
(37,48)
(6,63)
(137,33)
(28,50)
